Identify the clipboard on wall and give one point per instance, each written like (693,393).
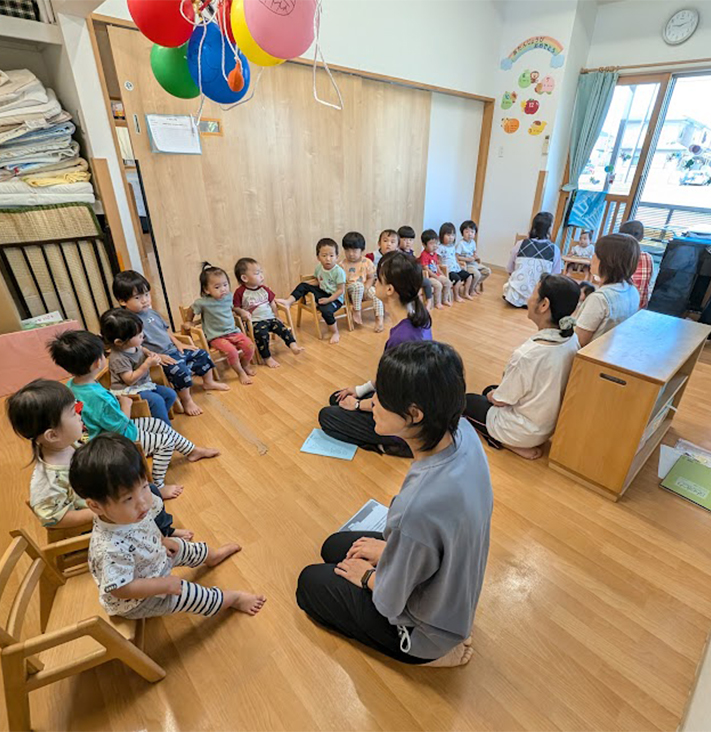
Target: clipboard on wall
(173,134)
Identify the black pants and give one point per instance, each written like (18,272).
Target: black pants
(327,311)
(461,276)
(476,410)
(262,329)
(358,428)
(339,605)
(164,521)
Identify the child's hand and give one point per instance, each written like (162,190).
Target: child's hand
(323,301)
(166,360)
(171,546)
(173,585)
(153,360)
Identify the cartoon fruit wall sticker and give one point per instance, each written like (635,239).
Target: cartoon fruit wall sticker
(510,125)
(524,80)
(545,85)
(534,77)
(530,106)
(537,126)
(508,100)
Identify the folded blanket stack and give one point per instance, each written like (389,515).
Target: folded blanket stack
(36,145)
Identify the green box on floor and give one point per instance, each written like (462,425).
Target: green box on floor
(690,479)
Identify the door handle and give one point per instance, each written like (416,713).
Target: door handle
(136,124)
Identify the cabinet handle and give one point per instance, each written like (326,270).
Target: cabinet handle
(613,379)
(136,124)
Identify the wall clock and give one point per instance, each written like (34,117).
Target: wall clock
(681,26)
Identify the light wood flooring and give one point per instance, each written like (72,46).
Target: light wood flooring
(593,615)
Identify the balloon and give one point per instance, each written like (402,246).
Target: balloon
(282,29)
(247,44)
(235,80)
(170,67)
(161,20)
(209,65)
(224,19)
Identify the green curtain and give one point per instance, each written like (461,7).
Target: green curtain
(592,101)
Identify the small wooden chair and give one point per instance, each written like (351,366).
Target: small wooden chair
(198,335)
(139,408)
(76,633)
(308,304)
(284,316)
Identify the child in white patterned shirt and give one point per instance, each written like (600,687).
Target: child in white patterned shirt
(360,278)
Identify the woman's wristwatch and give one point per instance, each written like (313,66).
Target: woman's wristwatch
(358,405)
(366,578)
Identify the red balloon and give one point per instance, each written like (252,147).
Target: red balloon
(161,20)
(224,19)
(235,80)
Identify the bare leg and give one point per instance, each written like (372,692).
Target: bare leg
(378,325)
(186,399)
(168,492)
(457,289)
(209,383)
(201,453)
(243,602)
(217,556)
(458,656)
(286,302)
(335,335)
(357,317)
(296,349)
(244,377)
(183,534)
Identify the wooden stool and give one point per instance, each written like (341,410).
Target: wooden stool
(308,304)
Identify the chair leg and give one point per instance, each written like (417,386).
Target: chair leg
(139,661)
(299,308)
(17,698)
(316,315)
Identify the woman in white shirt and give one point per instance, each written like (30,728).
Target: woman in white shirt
(614,263)
(530,259)
(521,412)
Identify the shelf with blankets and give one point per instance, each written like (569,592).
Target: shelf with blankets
(39,160)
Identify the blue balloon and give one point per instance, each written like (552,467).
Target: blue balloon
(213,83)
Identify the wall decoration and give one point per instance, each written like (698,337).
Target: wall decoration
(537,126)
(534,77)
(546,43)
(545,85)
(524,80)
(508,100)
(530,106)
(509,125)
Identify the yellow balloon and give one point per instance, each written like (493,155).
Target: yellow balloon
(244,40)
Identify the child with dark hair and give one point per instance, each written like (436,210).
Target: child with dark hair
(128,558)
(327,286)
(585,247)
(468,258)
(255,302)
(441,285)
(521,412)
(531,258)
(586,289)
(180,362)
(388,241)
(130,363)
(407,245)
(447,255)
(216,311)
(360,275)
(642,276)
(82,354)
(615,261)
(411,592)
(349,415)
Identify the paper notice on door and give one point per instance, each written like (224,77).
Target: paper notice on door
(175,134)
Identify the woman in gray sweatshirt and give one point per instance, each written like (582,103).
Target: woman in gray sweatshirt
(411,592)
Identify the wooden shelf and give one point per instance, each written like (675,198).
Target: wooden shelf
(30,31)
(667,394)
(646,450)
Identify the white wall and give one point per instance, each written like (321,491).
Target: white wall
(455,129)
(630,32)
(450,43)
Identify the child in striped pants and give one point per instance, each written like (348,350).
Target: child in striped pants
(128,558)
(360,278)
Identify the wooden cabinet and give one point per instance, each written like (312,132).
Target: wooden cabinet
(623,391)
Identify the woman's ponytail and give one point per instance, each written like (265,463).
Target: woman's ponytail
(404,273)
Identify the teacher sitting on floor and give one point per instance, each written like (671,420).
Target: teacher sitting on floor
(349,417)
(411,592)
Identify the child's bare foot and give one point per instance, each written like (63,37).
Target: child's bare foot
(448,304)
(215,386)
(249,369)
(358,317)
(296,349)
(272,363)
(245,378)
(183,534)
(458,299)
(169,492)
(458,656)
(378,326)
(191,409)
(216,556)
(335,338)
(529,453)
(287,303)
(244,602)
(202,453)
(468,297)
(439,306)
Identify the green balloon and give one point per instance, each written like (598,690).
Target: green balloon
(170,67)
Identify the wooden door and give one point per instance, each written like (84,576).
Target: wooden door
(286,172)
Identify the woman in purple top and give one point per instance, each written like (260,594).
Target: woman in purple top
(349,417)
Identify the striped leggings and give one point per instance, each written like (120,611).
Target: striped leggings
(193,598)
(160,440)
(357,292)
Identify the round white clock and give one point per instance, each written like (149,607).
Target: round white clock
(681,26)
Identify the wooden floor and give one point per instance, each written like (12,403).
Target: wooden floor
(593,615)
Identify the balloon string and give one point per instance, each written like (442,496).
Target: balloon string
(202,94)
(249,96)
(319,53)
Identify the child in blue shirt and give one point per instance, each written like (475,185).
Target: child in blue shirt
(82,354)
